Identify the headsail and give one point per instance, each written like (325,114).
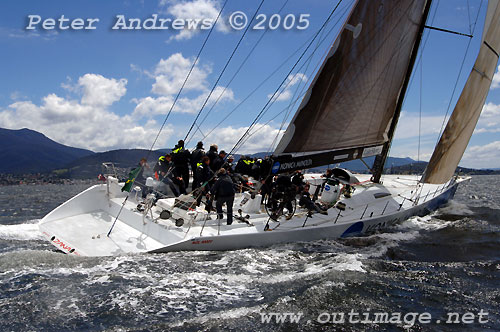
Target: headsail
(349,107)
(463,120)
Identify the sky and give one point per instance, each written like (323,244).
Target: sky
(73,71)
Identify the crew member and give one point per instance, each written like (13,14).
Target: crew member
(164,172)
(196,156)
(298,180)
(223,190)
(181,157)
(348,191)
(204,175)
(244,166)
(212,154)
(306,201)
(218,162)
(283,192)
(229,164)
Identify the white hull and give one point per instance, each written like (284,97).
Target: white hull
(80,226)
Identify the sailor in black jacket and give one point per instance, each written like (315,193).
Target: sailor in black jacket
(204,178)
(223,190)
(196,156)
(181,157)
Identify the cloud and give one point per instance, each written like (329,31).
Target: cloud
(194,10)
(170,74)
(479,156)
(16,95)
(489,121)
(85,123)
(408,126)
(101,91)
(406,143)
(261,140)
(409,148)
(150,106)
(28,34)
(287,93)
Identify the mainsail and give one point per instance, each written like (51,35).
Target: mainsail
(350,106)
(463,120)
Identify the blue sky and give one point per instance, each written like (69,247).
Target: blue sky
(104,89)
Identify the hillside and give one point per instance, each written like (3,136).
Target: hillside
(419,168)
(27,151)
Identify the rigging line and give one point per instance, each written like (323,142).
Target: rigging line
(269,121)
(259,86)
(300,87)
(291,70)
(303,86)
(254,90)
(224,69)
(274,98)
(173,104)
(458,77)
(427,35)
(309,81)
(424,44)
(448,31)
(307,84)
(306,63)
(420,110)
(294,101)
(234,75)
(187,77)
(357,71)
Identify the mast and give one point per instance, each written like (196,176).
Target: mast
(378,164)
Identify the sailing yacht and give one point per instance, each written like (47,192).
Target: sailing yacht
(350,111)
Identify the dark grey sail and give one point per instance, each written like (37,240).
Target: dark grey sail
(348,109)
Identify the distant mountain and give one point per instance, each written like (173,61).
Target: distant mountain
(419,168)
(416,167)
(28,151)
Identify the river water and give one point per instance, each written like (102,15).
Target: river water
(445,266)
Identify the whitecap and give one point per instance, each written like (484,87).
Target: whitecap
(423,223)
(21,232)
(455,208)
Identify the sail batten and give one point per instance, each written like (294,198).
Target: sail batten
(352,100)
(460,126)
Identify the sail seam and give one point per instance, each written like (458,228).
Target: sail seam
(483,74)
(491,48)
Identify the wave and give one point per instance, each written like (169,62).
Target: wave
(23,232)
(455,208)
